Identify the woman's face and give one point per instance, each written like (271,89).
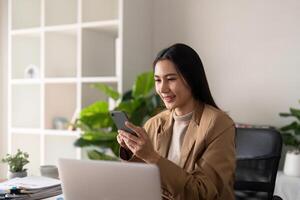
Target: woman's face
(172,89)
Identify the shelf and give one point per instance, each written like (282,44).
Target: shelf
(60,54)
(25,106)
(60,105)
(27,32)
(25,131)
(112,79)
(65,80)
(32,81)
(99,10)
(25,56)
(98,53)
(59,147)
(25,143)
(57,14)
(50,132)
(110,27)
(26,13)
(60,80)
(91,95)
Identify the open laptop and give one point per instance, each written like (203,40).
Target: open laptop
(108,180)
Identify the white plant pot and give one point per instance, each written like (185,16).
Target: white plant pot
(16,174)
(292,164)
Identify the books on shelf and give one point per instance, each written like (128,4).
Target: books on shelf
(31,188)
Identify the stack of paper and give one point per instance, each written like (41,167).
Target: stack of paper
(32,187)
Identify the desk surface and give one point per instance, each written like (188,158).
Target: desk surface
(287,187)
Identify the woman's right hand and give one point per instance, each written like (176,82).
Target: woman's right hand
(121,141)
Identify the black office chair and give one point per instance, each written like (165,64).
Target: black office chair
(258,155)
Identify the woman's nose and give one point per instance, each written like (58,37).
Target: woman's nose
(164,87)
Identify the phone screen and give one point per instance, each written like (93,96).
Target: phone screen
(119,119)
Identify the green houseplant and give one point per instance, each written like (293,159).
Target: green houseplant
(98,130)
(291,138)
(16,163)
(291,132)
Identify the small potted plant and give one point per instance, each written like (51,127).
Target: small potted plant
(16,164)
(291,138)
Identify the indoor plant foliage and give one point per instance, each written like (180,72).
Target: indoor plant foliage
(291,137)
(16,163)
(98,130)
(291,132)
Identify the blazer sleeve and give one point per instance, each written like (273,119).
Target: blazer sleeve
(213,174)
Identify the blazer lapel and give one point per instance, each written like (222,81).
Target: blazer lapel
(188,142)
(190,136)
(164,136)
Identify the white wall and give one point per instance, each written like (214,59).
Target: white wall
(3,63)
(137,40)
(250,51)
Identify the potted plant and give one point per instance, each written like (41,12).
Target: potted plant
(291,138)
(98,130)
(16,164)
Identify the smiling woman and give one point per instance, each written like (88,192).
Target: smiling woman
(193,141)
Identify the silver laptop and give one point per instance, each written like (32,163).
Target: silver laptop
(108,180)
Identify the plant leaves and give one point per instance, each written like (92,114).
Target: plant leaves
(295,112)
(130,106)
(143,85)
(96,139)
(95,116)
(97,155)
(285,114)
(140,104)
(107,90)
(290,140)
(99,136)
(290,126)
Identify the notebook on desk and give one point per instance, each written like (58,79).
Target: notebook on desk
(109,180)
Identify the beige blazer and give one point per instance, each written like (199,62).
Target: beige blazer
(207,163)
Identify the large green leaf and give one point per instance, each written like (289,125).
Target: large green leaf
(109,91)
(100,138)
(295,112)
(98,107)
(95,116)
(130,106)
(97,155)
(291,126)
(143,85)
(290,140)
(285,115)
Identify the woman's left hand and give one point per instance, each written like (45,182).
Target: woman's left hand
(139,145)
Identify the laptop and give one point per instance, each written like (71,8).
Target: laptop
(108,180)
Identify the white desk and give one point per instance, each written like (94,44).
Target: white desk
(287,187)
(59,197)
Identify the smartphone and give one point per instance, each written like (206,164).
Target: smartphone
(119,118)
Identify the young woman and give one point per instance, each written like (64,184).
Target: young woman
(192,142)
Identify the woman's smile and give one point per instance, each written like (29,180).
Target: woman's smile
(169,98)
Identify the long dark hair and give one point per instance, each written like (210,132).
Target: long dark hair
(189,65)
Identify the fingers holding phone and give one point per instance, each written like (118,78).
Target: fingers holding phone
(134,138)
(119,119)
(121,141)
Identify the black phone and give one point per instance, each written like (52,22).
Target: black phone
(119,118)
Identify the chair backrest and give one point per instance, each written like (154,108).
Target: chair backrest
(258,155)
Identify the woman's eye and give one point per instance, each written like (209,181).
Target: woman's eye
(157,80)
(171,79)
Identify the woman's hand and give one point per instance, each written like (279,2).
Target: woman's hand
(121,141)
(139,145)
